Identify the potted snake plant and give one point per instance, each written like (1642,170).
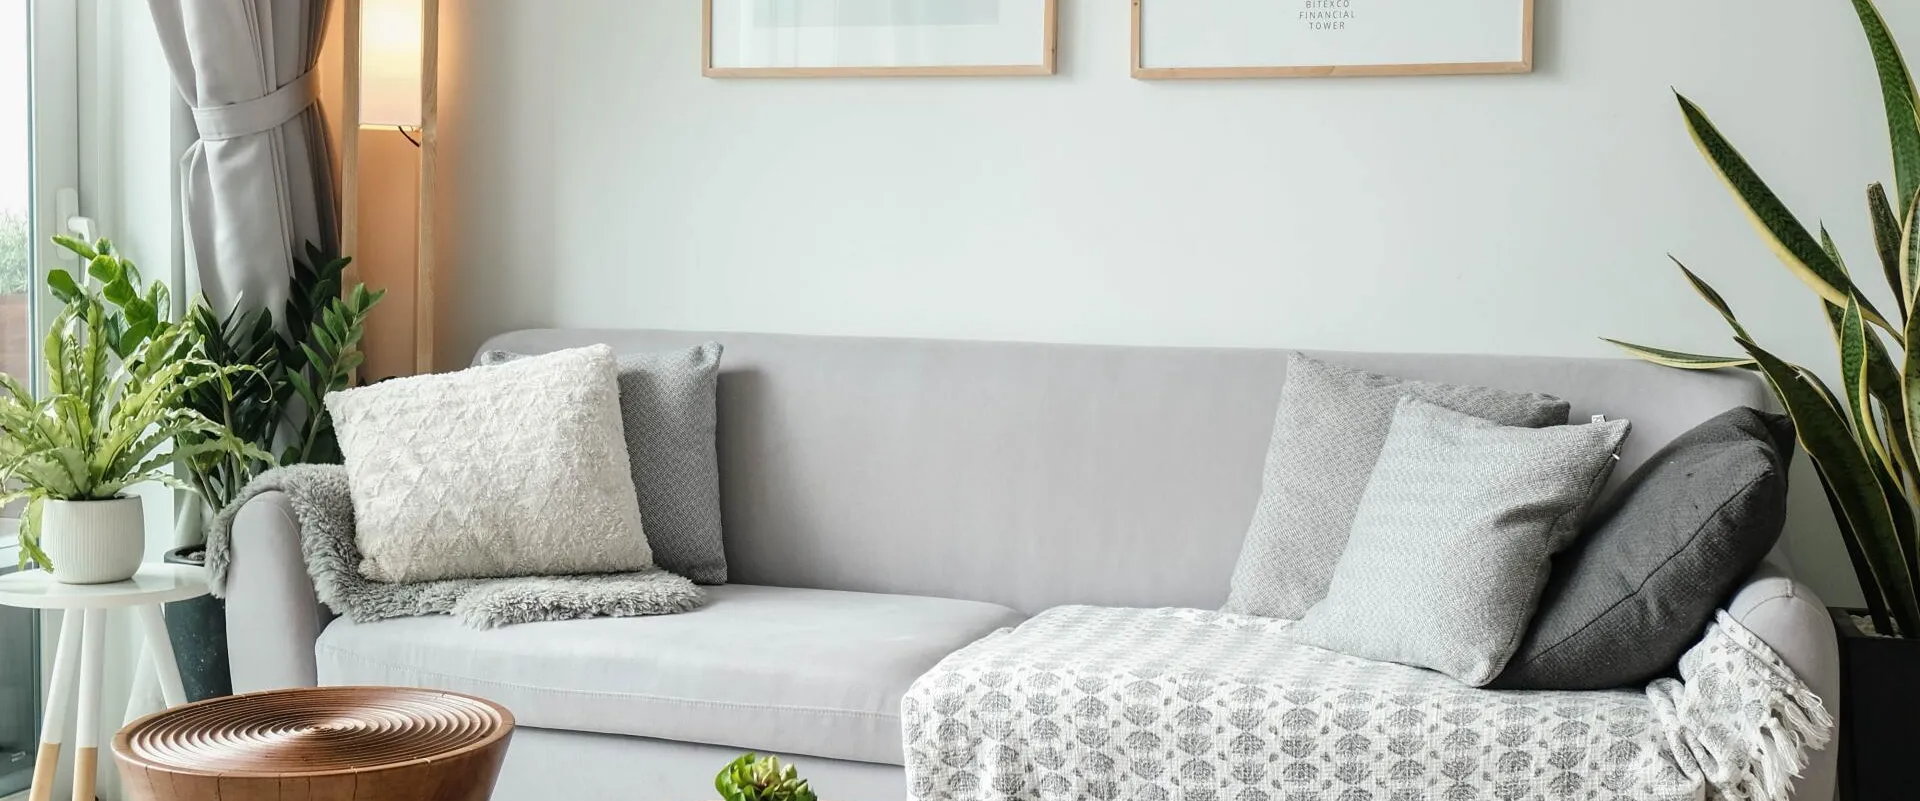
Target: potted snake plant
(1865,440)
(113,415)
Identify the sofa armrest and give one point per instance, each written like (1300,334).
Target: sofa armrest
(273,617)
(1793,621)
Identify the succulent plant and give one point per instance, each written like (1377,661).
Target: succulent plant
(756,778)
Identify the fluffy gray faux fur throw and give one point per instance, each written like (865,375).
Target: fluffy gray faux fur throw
(323,507)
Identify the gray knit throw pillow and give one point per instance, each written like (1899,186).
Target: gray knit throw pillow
(1327,434)
(668,412)
(1452,539)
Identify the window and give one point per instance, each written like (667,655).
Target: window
(18,677)
(39,155)
(16,189)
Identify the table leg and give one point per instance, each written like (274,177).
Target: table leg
(86,739)
(154,625)
(143,696)
(59,698)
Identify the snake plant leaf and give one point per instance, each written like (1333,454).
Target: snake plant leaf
(1897,91)
(1887,234)
(1854,371)
(1885,384)
(1910,385)
(1789,240)
(1713,298)
(1823,431)
(1876,603)
(1898,503)
(1882,376)
(1909,252)
(1679,359)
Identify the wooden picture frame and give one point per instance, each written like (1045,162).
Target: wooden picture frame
(1050,34)
(1144,71)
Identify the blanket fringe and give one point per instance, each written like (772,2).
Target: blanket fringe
(1795,723)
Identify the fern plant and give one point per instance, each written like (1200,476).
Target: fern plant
(756,778)
(1864,439)
(114,413)
(249,408)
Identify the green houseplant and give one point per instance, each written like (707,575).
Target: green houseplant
(288,365)
(756,778)
(113,415)
(1864,440)
(276,403)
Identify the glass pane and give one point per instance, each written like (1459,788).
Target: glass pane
(19,674)
(15,241)
(19,689)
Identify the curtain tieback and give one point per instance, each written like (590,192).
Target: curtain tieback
(260,114)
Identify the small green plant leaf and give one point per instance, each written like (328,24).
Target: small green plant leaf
(119,292)
(105,269)
(75,246)
(65,289)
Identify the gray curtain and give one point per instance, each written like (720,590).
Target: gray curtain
(259,183)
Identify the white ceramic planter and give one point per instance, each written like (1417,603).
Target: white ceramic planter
(93,542)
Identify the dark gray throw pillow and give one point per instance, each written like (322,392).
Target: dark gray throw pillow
(667,408)
(1635,591)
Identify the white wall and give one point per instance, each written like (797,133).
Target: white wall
(597,179)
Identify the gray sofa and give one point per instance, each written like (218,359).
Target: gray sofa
(886,502)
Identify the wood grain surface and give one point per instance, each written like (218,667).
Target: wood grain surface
(318,744)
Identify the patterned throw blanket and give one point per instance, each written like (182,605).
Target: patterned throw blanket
(1164,704)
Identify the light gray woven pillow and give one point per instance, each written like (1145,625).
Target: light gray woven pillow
(1452,540)
(668,413)
(491,472)
(1326,436)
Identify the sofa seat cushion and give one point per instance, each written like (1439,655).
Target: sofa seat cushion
(812,672)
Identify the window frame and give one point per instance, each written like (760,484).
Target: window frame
(53,144)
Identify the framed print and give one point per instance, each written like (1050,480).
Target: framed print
(860,38)
(1317,38)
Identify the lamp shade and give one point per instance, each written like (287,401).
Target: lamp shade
(391,38)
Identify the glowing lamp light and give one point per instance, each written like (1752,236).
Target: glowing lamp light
(390,55)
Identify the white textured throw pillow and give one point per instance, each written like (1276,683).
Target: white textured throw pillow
(514,470)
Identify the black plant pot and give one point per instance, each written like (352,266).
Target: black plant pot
(198,629)
(1879,713)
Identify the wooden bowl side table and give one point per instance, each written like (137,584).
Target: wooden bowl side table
(318,744)
(82,649)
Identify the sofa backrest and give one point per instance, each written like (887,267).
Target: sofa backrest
(1036,475)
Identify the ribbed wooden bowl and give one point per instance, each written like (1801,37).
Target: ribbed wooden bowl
(345,743)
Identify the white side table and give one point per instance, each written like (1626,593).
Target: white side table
(83,646)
